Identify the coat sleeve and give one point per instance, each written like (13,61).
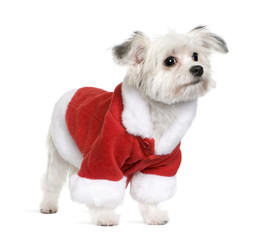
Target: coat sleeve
(156,184)
(108,153)
(100,181)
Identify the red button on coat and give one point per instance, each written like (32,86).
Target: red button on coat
(146,145)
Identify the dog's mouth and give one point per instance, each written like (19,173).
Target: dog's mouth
(192,83)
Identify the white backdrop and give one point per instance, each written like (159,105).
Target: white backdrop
(49,47)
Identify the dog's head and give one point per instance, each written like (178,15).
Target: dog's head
(172,68)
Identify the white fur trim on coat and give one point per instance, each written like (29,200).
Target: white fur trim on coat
(170,139)
(149,188)
(98,193)
(135,116)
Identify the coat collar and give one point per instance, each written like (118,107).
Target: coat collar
(137,121)
(136,115)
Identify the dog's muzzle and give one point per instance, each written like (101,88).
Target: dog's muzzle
(196,71)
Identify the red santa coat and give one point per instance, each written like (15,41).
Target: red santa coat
(95,122)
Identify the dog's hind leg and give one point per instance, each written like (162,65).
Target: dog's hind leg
(152,215)
(53,180)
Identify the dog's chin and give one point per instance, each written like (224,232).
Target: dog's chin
(196,88)
(195,82)
(193,90)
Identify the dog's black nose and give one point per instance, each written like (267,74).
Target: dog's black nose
(196,71)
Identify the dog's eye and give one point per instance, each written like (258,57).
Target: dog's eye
(195,57)
(170,61)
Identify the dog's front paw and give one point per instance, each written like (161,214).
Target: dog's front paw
(105,217)
(108,222)
(157,218)
(152,215)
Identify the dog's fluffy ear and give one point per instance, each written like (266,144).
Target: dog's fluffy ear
(133,50)
(209,40)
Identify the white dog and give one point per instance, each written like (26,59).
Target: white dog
(132,135)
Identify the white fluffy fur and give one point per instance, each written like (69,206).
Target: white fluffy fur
(136,115)
(149,188)
(98,193)
(152,215)
(53,179)
(160,102)
(104,216)
(62,139)
(186,112)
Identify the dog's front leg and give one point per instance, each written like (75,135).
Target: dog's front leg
(104,216)
(152,215)
(150,190)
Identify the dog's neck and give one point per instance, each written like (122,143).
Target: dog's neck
(162,116)
(146,118)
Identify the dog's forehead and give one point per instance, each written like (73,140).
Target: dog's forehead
(173,42)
